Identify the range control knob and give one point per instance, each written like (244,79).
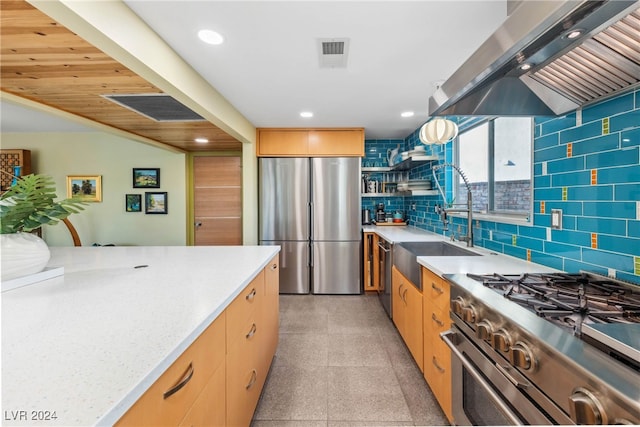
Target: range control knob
(484,330)
(521,356)
(457,305)
(501,340)
(585,408)
(469,314)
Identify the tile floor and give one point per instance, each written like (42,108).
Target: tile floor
(341,362)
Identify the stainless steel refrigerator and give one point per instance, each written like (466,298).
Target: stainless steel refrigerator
(311,208)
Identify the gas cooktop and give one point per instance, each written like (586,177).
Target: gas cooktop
(593,307)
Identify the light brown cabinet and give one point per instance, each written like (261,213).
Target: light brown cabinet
(282,142)
(369,259)
(271,306)
(407,314)
(310,142)
(169,399)
(437,356)
(376,263)
(218,380)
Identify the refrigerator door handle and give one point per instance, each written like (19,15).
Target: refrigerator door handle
(310,260)
(311,221)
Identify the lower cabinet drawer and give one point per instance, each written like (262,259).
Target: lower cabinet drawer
(209,408)
(441,363)
(245,377)
(167,401)
(244,306)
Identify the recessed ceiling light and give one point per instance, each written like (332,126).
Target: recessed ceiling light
(407,114)
(306,114)
(210,37)
(525,66)
(201,140)
(572,34)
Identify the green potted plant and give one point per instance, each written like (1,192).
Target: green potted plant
(27,205)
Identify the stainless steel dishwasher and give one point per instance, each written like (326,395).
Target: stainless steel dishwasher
(385,262)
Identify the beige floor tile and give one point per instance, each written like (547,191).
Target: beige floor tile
(341,362)
(302,350)
(294,393)
(366,394)
(357,350)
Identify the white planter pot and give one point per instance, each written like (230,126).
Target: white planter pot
(22,254)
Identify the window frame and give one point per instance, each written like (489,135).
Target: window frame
(504,216)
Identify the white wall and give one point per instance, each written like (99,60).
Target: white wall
(112,157)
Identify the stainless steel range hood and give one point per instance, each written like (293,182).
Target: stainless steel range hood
(565,73)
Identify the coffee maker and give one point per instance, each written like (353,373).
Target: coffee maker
(380,215)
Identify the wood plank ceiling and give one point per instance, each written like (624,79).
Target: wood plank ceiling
(45,62)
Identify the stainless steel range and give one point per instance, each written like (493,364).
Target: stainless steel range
(544,349)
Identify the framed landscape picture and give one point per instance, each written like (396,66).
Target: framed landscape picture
(155,203)
(146,178)
(133,202)
(87,188)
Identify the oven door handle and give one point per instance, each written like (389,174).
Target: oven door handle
(448,337)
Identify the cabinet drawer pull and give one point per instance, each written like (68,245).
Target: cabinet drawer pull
(435,363)
(436,288)
(435,319)
(404,296)
(251,295)
(400,290)
(274,266)
(252,381)
(252,331)
(185,379)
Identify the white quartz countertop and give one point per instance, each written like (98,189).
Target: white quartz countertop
(488,263)
(400,233)
(89,343)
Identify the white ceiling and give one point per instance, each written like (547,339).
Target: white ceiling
(268,67)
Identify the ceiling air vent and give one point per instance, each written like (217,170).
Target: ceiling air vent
(333,52)
(157,106)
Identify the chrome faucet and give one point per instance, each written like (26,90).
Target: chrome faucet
(443,211)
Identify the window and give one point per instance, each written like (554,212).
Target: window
(495,156)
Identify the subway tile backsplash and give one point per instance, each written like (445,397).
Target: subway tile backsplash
(586,163)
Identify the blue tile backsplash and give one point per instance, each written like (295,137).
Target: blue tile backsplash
(592,163)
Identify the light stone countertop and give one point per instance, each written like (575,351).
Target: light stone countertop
(400,233)
(490,262)
(89,343)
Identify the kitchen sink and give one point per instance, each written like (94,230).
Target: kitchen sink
(405,256)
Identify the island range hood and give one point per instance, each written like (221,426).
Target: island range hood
(533,65)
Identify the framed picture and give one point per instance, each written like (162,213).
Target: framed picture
(146,178)
(133,202)
(155,202)
(87,188)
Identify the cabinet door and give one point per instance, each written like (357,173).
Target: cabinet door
(167,401)
(413,323)
(270,309)
(441,362)
(436,289)
(437,356)
(368,261)
(243,307)
(210,407)
(244,375)
(281,142)
(376,263)
(347,142)
(398,288)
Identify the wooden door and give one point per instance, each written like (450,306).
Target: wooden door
(217,200)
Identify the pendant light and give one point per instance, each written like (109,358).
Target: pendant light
(438,131)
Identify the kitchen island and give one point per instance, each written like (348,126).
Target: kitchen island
(88,344)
